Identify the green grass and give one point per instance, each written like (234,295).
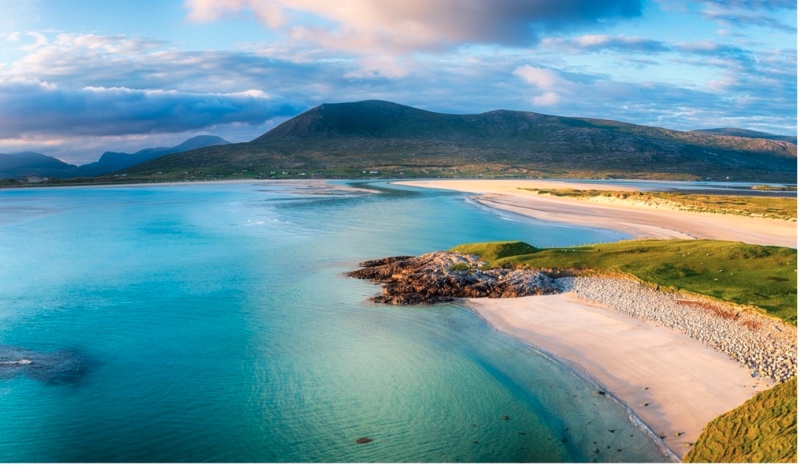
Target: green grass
(761,277)
(762,430)
(766,187)
(757,206)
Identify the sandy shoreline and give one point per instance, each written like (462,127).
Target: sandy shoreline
(669,381)
(672,383)
(638,221)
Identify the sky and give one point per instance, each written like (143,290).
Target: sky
(81,77)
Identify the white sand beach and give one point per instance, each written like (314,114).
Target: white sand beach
(639,221)
(673,383)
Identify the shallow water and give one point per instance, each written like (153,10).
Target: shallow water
(214,323)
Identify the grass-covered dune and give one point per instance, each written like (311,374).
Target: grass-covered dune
(762,430)
(761,277)
(784,208)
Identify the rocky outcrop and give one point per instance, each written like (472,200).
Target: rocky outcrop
(767,346)
(442,276)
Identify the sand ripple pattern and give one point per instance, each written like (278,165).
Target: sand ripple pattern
(766,346)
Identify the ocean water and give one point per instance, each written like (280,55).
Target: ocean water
(213,323)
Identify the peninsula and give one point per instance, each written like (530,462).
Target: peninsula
(676,359)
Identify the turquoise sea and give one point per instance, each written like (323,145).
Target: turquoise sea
(213,323)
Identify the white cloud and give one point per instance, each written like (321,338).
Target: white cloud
(549,83)
(546,99)
(542,78)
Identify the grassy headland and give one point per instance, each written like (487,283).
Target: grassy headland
(761,277)
(784,208)
(763,430)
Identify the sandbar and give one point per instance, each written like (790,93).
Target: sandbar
(641,222)
(672,383)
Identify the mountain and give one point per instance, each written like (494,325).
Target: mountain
(23,164)
(746,133)
(114,161)
(386,139)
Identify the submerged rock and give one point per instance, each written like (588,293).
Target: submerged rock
(49,367)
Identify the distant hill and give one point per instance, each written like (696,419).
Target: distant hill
(377,138)
(23,164)
(34,164)
(114,161)
(746,133)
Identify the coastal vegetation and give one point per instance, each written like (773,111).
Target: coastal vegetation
(762,430)
(763,278)
(784,208)
(766,187)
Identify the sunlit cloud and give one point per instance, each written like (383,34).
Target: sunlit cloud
(380,32)
(418,25)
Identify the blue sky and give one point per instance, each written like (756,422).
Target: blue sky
(79,77)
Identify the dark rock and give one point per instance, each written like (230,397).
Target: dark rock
(58,367)
(442,276)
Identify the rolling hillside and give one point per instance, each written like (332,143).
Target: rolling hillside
(24,164)
(377,138)
(113,161)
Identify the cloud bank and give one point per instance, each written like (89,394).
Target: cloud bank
(31,107)
(406,26)
(564,57)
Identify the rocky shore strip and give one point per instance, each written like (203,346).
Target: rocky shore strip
(766,346)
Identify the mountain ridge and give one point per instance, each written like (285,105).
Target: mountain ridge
(382,138)
(23,164)
(110,162)
(385,139)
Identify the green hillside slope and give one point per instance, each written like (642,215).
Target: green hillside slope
(376,138)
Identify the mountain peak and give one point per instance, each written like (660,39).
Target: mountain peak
(367,118)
